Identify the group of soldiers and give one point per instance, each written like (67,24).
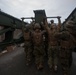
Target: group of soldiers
(57,44)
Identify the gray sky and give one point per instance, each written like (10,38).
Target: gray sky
(24,8)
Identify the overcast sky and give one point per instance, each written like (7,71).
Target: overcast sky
(24,8)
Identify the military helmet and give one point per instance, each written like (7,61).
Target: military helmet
(70,24)
(37,26)
(65,35)
(52,21)
(27,27)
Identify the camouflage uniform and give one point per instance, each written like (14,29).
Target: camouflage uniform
(66,43)
(71,27)
(65,57)
(28,51)
(39,51)
(66,52)
(39,54)
(53,55)
(53,43)
(27,43)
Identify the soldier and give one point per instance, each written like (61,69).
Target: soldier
(27,43)
(71,27)
(32,25)
(67,42)
(52,44)
(39,51)
(52,22)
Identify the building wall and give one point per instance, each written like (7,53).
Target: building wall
(2,37)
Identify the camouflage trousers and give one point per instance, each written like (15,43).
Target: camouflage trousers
(28,51)
(39,54)
(53,55)
(66,60)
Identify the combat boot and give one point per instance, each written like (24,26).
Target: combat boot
(65,74)
(28,61)
(55,68)
(51,67)
(37,65)
(40,66)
